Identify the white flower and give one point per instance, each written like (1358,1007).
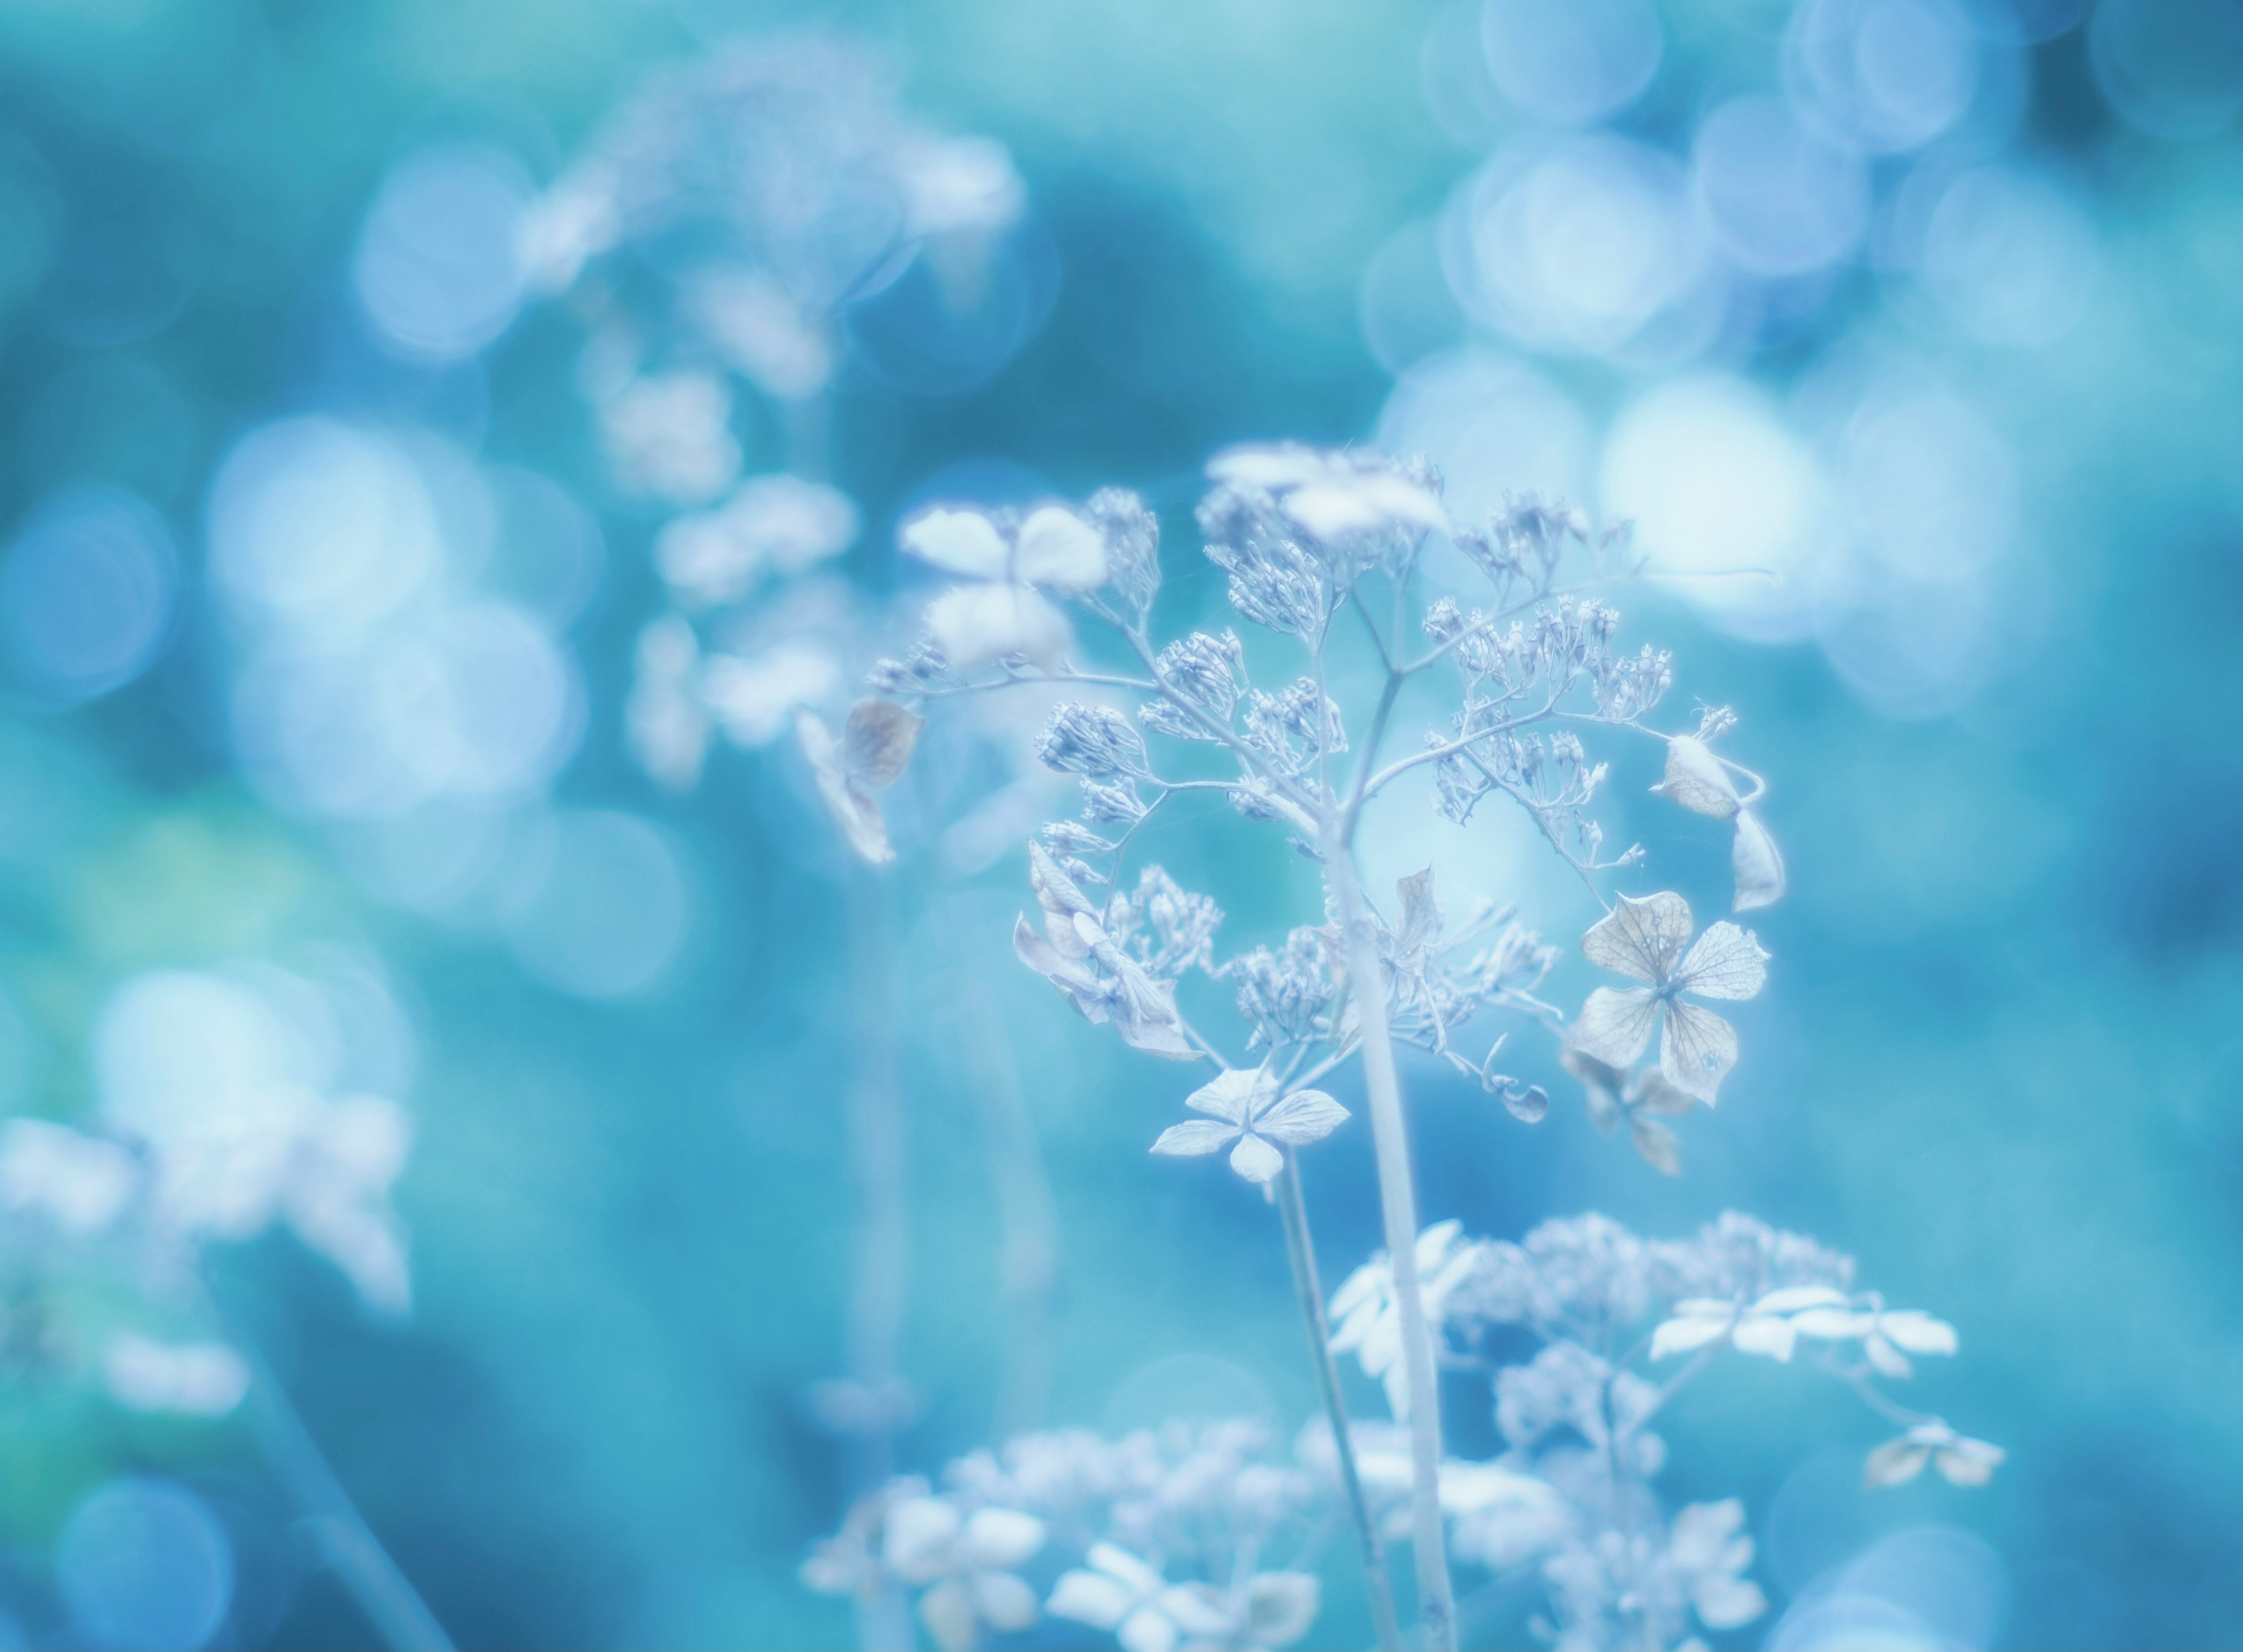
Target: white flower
(81,1184)
(1773,1325)
(1643,940)
(670,435)
(1709,1556)
(1962,1460)
(1371,1320)
(753,696)
(1700,781)
(1502,1517)
(1006,614)
(969,1561)
(665,721)
(1127,1599)
(872,753)
(189,1379)
(1251,1113)
(1333,494)
(776,525)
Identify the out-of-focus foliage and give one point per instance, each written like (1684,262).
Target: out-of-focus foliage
(321,604)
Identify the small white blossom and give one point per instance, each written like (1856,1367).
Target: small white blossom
(1707,1554)
(1248,1110)
(186,1378)
(1370,1319)
(670,435)
(753,697)
(1961,1459)
(665,721)
(1006,612)
(775,525)
(966,1563)
(1644,940)
(1125,1597)
(81,1184)
(1333,494)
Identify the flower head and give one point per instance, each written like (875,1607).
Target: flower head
(1004,613)
(1644,940)
(1961,1459)
(1248,1110)
(968,1561)
(872,752)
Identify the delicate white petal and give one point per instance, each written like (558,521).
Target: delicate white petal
(1281,1607)
(1969,1462)
(1683,1334)
(1147,1629)
(878,741)
(1058,548)
(1230,1094)
(1895,1463)
(1362,1288)
(960,541)
(1728,1603)
(977,625)
(1888,1361)
(858,816)
(1421,914)
(1727,963)
(916,1538)
(1765,1334)
(1090,1597)
(1696,1050)
(1655,1095)
(1433,1243)
(1255,1159)
(1793,1297)
(189,1379)
(1004,1602)
(1831,1325)
(1001,1538)
(1061,900)
(1701,1532)
(1124,1567)
(1756,863)
(1696,780)
(1918,1332)
(1303,1117)
(1287,465)
(1196,1136)
(1196,1608)
(1640,938)
(1615,1025)
(947,1611)
(1081,987)
(1657,1145)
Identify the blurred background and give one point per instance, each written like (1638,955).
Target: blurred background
(358,365)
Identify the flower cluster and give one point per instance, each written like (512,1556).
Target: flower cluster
(1608,1312)
(1161,1538)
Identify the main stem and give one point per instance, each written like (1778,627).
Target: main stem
(1398,1201)
(1303,1255)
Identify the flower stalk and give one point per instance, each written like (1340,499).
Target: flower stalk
(1377,1582)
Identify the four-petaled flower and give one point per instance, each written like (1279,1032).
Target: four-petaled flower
(1369,1318)
(1248,1110)
(969,1560)
(1962,1460)
(1006,614)
(1707,1555)
(1643,940)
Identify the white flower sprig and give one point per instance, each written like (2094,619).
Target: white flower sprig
(1249,1110)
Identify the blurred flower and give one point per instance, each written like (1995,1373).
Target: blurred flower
(772,525)
(1707,1554)
(1370,1319)
(1007,614)
(874,748)
(1962,1460)
(81,1184)
(189,1379)
(1127,1599)
(968,1560)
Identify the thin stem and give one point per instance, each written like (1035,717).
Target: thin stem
(1303,1255)
(1398,1203)
(363,1568)
(877,1290)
